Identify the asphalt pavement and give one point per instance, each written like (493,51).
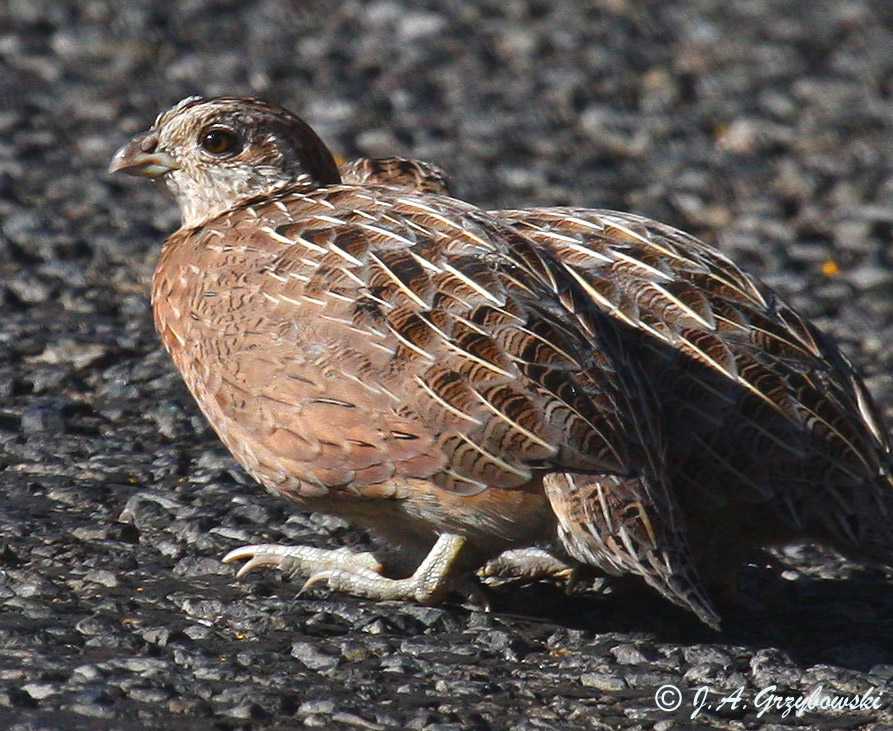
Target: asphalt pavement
(763,126)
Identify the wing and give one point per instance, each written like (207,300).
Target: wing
(299,321)
(468,333)
(758,404)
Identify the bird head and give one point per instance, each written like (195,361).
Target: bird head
(215,154)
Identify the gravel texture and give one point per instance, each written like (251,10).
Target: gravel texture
(764,126)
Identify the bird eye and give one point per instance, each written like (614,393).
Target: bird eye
(220,141)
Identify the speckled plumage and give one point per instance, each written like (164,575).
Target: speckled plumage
(770,432)
(586,381)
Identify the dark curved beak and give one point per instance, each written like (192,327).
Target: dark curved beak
(141,156)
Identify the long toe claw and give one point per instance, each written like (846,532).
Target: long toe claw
(256,562)
(258,555)
(315,579)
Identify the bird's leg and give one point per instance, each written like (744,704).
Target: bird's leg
(360,573)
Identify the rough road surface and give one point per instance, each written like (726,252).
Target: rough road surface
(765,126)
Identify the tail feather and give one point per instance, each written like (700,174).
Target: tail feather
(611,523)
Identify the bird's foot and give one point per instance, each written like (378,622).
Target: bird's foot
(360,574)
(302,560)
(529,564)
(525,563)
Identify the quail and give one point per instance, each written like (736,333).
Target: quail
(586,386)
